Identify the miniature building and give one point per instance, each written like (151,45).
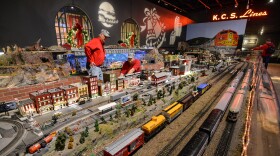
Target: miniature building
(175,70)
(91,81)
(120,83)
(82,90)
(70,94)
(104,88)
(26,107)
(42,101)
(158,78)
(57,98)
(110,77)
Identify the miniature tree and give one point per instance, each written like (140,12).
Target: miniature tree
(82,138)
(154,100)
(135,97)
(60,142)
(159,94)
(111,117)
(70,145)
(71,139)
(192,79)
(150,101)
(103,119)
(170,90)
(74,113)
(96,126)
(163,93)
(181,85)
(177,92)
(54,119)
(86,132)
(194,88)
(127,112)
(144,102)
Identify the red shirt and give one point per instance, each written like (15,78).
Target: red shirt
(136,64)
(95,52)
(264,48)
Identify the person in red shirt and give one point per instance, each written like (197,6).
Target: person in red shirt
(95,53)
(130,66)
(264,48)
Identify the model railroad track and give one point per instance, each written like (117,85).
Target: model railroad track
(20,132)
(56,127)
(168,149)
(224,143)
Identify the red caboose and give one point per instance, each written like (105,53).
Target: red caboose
(126,145)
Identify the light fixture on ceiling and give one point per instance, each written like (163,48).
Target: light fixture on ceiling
(72,7)
(270,1)
(158,1)
(247,7)
(236,5)
(262,30)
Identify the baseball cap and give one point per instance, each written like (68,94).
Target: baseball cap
(131,55)
(105,33)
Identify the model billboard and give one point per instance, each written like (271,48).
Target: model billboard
(222,37)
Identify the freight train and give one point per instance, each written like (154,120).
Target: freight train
(41,143)
(129,143)
(199,141)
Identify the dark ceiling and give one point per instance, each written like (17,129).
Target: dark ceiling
(202,11)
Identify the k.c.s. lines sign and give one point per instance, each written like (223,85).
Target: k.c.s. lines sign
(247,14)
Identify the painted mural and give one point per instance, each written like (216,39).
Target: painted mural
(154,28)
(107,15)
(223,37)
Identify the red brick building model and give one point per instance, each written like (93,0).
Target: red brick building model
(42,101)
(91,81)
(158,78)
(70,94)
(82,90)
(27,107)
(57,97)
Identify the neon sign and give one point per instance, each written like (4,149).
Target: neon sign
(233,15)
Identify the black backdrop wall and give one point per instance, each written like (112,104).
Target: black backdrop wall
(25,21)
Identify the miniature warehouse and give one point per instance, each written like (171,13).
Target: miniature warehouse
(194,93)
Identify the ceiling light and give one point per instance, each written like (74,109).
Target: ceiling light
(158,1)
(270,1)
(72,7)
(236,5)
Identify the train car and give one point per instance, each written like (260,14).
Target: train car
(210,125)
(172,111)
(196,146)
(107,108)
(225,100)
(7,106)
(202,88)
(186,101)
(151,128)
(236,105)
(125,99)
(126,145)
(34,148)
(117,95)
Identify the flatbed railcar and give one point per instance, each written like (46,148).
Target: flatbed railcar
(196,146)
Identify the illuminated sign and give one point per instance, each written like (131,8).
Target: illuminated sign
(247,14)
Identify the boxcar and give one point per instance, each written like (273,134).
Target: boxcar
(196,146)
(126,145)
(202,88)
(186,101)
(210,125)
(107,108)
